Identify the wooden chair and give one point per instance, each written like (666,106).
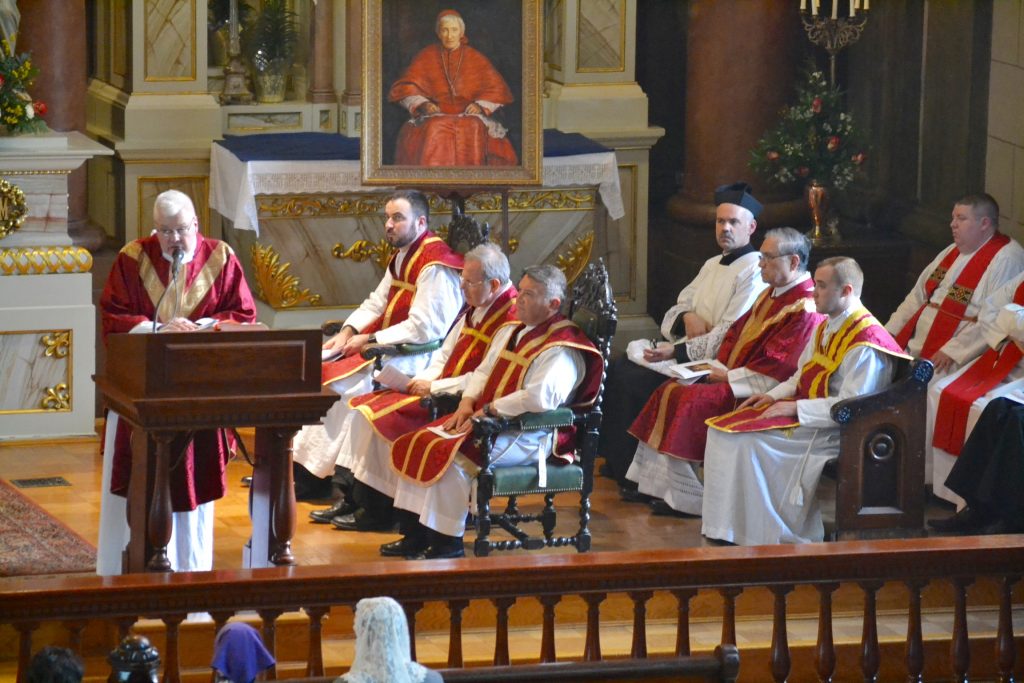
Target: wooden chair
(592,307)
(462,235)
(880,469)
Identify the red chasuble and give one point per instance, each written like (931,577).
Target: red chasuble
(951,311)
(214,287)
(428,250)
(984,374)
(859,329)
(452,80)
(393,413)
(767,339)
(423,456)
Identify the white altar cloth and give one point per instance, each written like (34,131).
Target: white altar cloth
(234,184)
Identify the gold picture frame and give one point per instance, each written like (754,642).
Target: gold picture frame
(406,141)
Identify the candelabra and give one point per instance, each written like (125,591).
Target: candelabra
(235,90)
(835,33)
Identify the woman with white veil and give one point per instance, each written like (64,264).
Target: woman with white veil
(382,646)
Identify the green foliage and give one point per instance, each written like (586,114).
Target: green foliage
(18,113)
(271,42)
(815,139)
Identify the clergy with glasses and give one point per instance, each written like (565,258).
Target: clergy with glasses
(760,350)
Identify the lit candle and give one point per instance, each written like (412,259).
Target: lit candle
(814,7)
(853,8)
(865,8)
(803,5)
(835,9)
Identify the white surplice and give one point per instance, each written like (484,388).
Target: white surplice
(435,305)
(549,383)
(1000,321)
(759,487)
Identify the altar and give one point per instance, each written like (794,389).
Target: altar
(310,237)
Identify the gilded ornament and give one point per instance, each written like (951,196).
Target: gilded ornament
(45,260)
(362,250)
(273,282)
(298,206)
(57,398)
(57,344)
(13,208)
(577,257)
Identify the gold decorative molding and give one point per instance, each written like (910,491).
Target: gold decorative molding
(331,205)
(13,208)
(577,257)
(362,250)
(45,261)
(57,399)
(24,172)
(273,282)
(57,344)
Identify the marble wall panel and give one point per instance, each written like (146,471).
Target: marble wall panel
(33,364)
(600,39)
(554,18)
(170,40)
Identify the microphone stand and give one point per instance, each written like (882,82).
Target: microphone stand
(176,257)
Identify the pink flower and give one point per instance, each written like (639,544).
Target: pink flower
(816,105)
(833,143)
(772,155)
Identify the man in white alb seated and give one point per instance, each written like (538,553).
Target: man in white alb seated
(763,461)
(938,320)
(542,363)
(724,289)
(415,302)
(383,416)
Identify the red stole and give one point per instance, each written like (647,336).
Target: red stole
(859,329)
(951,311)
(428,250)
(981,377)
(393,413)
(767,339)
(423,456)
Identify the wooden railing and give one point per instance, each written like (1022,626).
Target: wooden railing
(26,602)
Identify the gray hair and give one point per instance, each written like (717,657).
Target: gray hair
(845,271)
(492,261)
(171,203)
(791,241)
(551,277)
(983,205)
(454,15)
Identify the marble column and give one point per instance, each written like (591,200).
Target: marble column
(351,100)
(53,31)
(740,67)
(321,82)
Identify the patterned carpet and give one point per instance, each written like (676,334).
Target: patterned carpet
(33,542)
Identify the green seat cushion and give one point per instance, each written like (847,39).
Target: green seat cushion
(514,481)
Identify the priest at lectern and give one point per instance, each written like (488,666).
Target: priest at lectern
(175,280)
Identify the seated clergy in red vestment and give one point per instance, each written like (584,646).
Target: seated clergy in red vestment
(542,363)
(416,302)
(956,401)
(451,91)
(763,461)
(760,350)
(938,320)
(209,286)
(383,416)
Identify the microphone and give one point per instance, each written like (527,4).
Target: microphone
(177,256)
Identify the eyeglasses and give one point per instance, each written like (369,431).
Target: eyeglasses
(768,257)
(467,283)
(180,232)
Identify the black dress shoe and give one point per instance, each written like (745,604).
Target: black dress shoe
(1001,525)
(406,546)
(629,495)
(360,521)
(247,482)
(966,521)
(442,552)
(660,507)
(341,508)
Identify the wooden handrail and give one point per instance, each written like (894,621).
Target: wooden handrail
(27,601)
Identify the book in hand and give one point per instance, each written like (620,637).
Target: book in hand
(692,371)
(329,354)
(446,434)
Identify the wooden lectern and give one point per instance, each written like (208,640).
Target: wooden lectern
(174,383)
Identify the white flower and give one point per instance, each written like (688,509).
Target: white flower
(30,112)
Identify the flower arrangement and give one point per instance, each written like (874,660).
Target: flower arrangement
(814,140)
(18,113)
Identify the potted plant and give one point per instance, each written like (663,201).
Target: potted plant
(271,46)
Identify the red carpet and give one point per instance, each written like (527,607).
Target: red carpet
(33,542)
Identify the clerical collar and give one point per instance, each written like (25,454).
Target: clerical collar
(735,254)
(779,291)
